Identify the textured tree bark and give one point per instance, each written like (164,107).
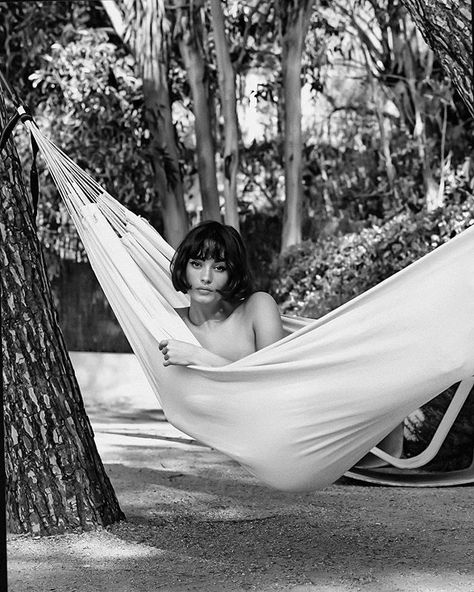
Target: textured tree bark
(55,479)
(143,31)
(446,27)
(228,93)
(189,33)
(295,16)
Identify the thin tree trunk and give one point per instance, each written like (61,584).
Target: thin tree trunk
(379,104)
(446,27)
(164,150)
(143,31)
(55,479)
(228,93)
(430,185)
(190,35)
(295,21)
(385,143)
(292,145)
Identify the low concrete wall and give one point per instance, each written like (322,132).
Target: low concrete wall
(112,380)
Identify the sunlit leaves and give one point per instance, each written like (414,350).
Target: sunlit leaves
(313,279)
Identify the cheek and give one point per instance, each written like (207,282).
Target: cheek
(223,280)
(189,273)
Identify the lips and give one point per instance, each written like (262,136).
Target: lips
(204,290)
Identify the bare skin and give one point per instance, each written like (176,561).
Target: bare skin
(226,331)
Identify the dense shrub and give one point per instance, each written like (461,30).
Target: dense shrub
(314,278)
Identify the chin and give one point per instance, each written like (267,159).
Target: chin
(203,295)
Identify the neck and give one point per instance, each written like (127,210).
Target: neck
(199,314)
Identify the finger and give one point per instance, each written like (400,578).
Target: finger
(163,343)
(167,357)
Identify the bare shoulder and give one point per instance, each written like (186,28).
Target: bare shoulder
(266,320)
(261,301)
(262,308)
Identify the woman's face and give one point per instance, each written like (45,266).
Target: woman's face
(206,277)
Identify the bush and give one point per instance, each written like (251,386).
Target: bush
(315,278)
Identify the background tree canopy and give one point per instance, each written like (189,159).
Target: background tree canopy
(383,129)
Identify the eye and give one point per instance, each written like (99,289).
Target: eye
(221,267)
(195,264)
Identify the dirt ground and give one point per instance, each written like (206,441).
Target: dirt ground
(197,522)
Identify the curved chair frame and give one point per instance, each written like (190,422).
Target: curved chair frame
(403,471)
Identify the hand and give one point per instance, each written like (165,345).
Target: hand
(178,353)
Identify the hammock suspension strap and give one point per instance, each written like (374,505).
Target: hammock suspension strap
(23,116)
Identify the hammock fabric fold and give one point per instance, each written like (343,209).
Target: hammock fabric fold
(299,413)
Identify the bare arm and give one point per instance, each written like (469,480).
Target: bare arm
(180,353)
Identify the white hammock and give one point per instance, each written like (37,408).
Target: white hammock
(299,413)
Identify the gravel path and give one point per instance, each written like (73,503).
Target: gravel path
(197,522)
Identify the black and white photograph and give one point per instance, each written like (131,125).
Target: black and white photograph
(237,296)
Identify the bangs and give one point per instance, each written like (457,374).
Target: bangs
(209,248)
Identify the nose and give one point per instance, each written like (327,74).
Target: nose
(206,274)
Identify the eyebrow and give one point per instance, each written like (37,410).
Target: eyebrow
(205,259)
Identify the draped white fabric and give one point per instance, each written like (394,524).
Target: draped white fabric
(302,411)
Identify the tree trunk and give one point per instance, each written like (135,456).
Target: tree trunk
(190,35)
(295,16)
(143,31)
(446,27)
(55,479)
(164,149)
(430,186)
(227,89)
(379,106)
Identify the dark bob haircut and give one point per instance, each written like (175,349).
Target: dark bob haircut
(212,240)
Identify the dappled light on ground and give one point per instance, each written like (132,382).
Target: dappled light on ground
(197,521)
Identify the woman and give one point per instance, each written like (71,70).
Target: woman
(228,318)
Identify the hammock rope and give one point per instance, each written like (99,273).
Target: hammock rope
(299,413)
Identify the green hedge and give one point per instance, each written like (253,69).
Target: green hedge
(315,278)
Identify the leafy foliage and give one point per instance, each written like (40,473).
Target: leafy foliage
(91,104)
(313,278)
